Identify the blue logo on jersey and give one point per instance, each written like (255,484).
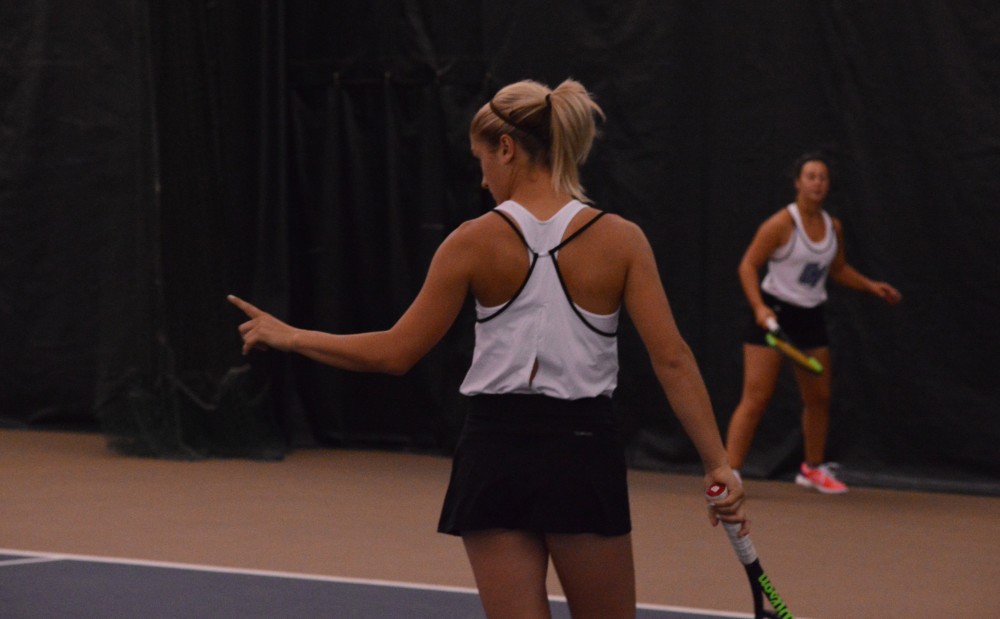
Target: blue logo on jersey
(811,274)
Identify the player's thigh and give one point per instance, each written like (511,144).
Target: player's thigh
(815,388)
(510,568)
(597,574)
(761,367)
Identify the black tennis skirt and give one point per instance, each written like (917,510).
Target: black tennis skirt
(805,325)
(541,464)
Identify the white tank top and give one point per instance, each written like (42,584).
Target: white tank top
(576,350)
(796,271)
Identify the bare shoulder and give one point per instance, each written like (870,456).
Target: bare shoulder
(775,231)
(837,226)
(780,221)
(617,241)
(473,232)
(623,230)
(477,243)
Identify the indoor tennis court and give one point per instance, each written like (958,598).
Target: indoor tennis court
(313,158)
(92,586)
(350,533)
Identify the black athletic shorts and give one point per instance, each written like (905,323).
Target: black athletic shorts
(806,326)
(534,463)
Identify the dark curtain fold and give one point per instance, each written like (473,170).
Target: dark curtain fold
(207,219)
(68,133)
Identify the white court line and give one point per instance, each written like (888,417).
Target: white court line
(42,557)
(695,611)
(6,562)
(39,557)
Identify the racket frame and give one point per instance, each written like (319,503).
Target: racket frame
(779,340)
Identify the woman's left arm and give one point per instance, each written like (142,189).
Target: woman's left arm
(676,369)
(846,275)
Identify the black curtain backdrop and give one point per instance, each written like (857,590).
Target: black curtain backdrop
(310,156)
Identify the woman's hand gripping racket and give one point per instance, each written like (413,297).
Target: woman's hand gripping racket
(778,339)
(760,584)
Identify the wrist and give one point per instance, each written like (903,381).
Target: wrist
(294,340)
(716,465)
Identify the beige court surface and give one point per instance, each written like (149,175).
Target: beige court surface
(872,553)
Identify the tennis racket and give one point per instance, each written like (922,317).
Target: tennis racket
(779,340)
(760,584)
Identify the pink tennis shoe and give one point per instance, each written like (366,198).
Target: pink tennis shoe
(821,478)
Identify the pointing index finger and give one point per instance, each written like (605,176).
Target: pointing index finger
(247,308)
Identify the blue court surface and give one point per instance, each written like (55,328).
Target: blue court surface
(36,585)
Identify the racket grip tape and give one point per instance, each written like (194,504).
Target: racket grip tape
(743,546)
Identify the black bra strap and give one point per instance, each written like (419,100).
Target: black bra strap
(572,305)
(562,282)
(531,267)
(555,263)
(592,221)
(513,227)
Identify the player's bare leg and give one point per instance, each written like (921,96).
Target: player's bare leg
(510,568)
(815,390)
(597,574)
(762,366)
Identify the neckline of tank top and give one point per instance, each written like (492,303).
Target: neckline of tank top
(800,228)
(536,219)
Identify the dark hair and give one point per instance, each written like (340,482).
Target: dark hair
(805,158)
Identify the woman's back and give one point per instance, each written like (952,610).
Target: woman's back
(538,338)
(594,266)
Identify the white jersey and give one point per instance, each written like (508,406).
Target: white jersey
(796,271)
(576,350)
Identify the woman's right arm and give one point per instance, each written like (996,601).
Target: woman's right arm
(770,236)
(393,351)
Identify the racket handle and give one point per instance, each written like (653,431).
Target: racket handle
(772,324)
(743,546)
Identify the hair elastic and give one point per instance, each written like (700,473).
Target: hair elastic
(538,132)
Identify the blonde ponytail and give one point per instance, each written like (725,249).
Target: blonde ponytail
(555,127)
